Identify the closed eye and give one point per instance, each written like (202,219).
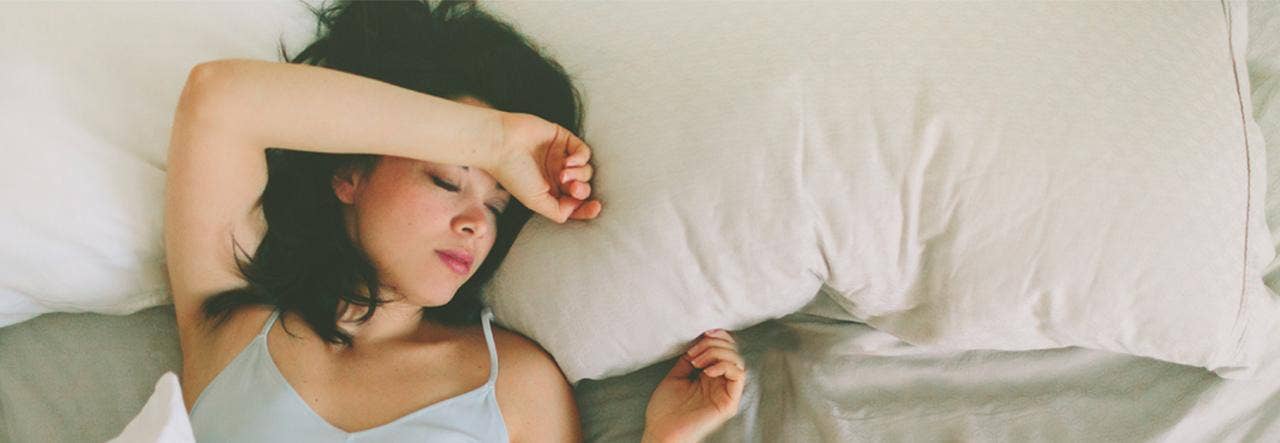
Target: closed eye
(444,184)
(497,211)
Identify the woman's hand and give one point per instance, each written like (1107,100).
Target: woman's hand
(699,394)
(546,167)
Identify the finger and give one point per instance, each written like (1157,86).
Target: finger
(705,343)
(555,157)
(587,211)
(737,381)
(579,152)
(717,334)
(568,205)
(579,173)
(735,373)
(546,205)
(725,369)
(682,368)
(579,190)
(734,379)
(721,333)
(713,355)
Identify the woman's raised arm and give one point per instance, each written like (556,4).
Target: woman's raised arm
(310,108)
(230,111)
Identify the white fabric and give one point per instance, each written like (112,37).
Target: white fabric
(820,380)
(962,175)
(811,378)
(88,97)
(162,419)
(814,379)
(1264,77)
(1069,177)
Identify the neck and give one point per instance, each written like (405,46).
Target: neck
(394,321)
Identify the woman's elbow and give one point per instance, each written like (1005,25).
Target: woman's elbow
(201,101)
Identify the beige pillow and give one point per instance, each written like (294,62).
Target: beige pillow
(962,175)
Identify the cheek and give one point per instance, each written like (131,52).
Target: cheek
(488,244)
(389,221)
(424,212)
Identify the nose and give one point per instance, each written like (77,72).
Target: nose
(473,221)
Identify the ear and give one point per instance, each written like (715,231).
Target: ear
(345,182)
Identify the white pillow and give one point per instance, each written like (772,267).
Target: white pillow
(88,93)
(962,175)
(747,153)
(163,419)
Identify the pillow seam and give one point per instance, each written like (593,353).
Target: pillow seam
(1241,322)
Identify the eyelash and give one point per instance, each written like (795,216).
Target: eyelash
(454,188)
(444,184)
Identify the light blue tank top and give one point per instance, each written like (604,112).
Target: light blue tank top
(250,401)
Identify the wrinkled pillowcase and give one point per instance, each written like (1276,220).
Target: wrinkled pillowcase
(1021,176)
(88,130)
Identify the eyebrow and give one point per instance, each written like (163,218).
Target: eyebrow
(499,185)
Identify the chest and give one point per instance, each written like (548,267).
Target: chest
(355,392)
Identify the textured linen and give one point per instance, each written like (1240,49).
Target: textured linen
(814,376)
(971,175)
(89,93)
(1022,176)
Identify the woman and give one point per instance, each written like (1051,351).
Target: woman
(325,289)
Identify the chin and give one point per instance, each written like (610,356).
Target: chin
(434,304)
(428,301)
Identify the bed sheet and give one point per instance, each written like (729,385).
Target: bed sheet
(82,377)
(813,379)
(819,376)
(815,375)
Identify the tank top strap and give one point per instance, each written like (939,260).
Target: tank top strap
(270,321)
(486,316)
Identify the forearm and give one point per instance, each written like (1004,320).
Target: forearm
(317,109)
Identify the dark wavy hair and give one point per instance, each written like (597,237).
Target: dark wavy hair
(306,263)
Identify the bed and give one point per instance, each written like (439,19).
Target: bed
(818,374)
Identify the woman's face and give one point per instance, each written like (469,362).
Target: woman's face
(425,226)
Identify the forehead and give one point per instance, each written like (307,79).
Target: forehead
(409,163)
(475,174)
(402,165)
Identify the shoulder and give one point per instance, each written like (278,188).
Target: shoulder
(535,397)
(217,345)
(520,354)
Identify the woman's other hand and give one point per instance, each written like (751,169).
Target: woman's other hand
(546,167)
(699,394)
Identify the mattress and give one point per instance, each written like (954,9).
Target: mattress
(816,375)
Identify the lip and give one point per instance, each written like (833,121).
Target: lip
(457,261)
